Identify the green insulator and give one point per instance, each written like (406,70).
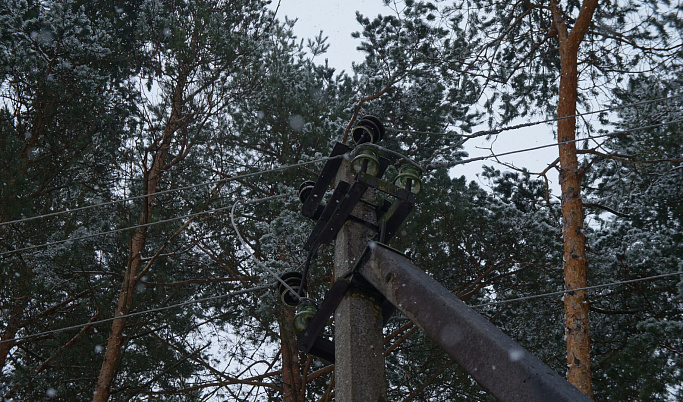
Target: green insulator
(304,313)
(366,157)
(409,178)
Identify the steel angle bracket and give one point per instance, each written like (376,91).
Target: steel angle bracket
(392,219)
(342,212)
(339,192)
(386,187)
(312,205)
(331,217)
(309,340)
(336,213)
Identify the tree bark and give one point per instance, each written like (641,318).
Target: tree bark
(115,341)
(576,306)
(153,177)
(292,383)
(12,326)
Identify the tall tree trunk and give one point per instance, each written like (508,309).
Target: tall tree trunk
(292,382)
(11,327)
(115,341)
(130,279)
(575,264)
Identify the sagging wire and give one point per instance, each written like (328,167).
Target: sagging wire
(564,292)
(143,225)
(424,168)
(58,242)
(247,248)
(162,192)
(154,310)
(534,123)
(450,164)
(246,175)
(235,293)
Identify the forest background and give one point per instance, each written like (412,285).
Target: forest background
(129,131)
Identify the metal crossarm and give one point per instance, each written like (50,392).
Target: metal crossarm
(324,180)
(339,192)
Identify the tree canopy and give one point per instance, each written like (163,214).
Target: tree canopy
(151,152)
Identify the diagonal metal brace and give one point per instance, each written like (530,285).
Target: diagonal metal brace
(342,212)
(324,180)
(310,341)
(492,358)
(392,219)
(339,192)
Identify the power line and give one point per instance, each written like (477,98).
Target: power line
(431,166)
(267,287)
(246,175)
(529,124)
(253,257)
(449,164)
(227,179)
(54,243)
(563,292)
(154,310)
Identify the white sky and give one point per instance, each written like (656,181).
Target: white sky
(337,20)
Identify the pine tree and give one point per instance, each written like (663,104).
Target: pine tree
(635,196)
(510,58)
(61,103)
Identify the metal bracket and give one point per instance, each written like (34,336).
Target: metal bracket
(385,187)
(392,219)
(310,341)
(389,218)
(328,211)
(324,180)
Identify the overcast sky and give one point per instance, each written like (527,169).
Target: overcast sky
(337,20)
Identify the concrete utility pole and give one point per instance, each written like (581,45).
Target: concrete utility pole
(359,343)
(370,277)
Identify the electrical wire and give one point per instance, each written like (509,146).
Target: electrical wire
(246,175)
(154,310)
(564,292)
(54,243)
(450,164)
(137,197)
(529,124)
(428,167)
(267,287)
(251,254)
